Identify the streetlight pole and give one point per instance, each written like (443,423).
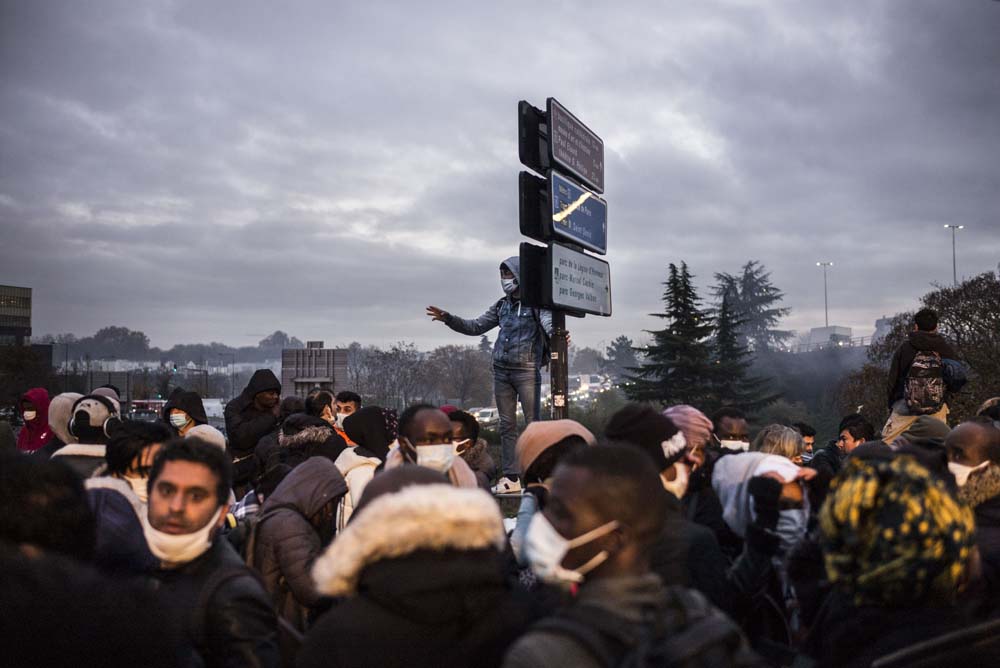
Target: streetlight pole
(954,268)
(826,303)
(232,367)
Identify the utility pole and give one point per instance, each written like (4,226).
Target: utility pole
(954,268)
(826,303)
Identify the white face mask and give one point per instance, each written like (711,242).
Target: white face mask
(179,549)
(340,420)
(29,415)
(961,471)
(743,446)
(139,486)
(461,446)
(545,550)
(437,457)
(509,285)
(678,486)
(178,420)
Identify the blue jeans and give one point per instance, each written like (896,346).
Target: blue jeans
(508,386)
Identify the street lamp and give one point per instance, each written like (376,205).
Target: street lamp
(954,270)
(826,304)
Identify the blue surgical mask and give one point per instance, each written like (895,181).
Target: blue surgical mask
(509,285)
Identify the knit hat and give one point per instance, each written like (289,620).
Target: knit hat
(696,426)
(649,429)
(107,391)
(90,417)
(207,433)
(539,436)
(927,431)
(892,534)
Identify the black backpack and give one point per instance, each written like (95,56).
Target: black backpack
(696,635)
(923,389)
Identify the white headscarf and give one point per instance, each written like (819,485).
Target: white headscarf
(731,476)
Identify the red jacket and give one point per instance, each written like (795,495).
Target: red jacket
(36,433)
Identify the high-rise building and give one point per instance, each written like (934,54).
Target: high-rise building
(302,369)
(15,315)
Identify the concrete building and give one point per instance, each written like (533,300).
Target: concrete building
(833,334)
(313,366)
(15,315)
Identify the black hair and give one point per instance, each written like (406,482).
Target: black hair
(541,469)
(643,426)
(198,451)
(470,423)
(926,320)
(625,486)
(730,412)
(317,401)
(804,428)
(409,415)
(858,428)
(127,441)
(992,412)
(290,405)
(43,503)
(346,396)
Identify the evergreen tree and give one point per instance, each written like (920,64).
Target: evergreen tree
(732,382)
(677,366)
(754,302)
(619,357)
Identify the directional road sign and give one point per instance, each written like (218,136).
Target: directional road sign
(575,147)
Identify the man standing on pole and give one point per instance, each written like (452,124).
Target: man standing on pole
(520,351)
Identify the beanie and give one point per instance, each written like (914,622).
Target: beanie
(539,436)
(650,430)
(90,414)
(695,425)
(207,433)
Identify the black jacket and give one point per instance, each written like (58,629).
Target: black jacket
(225,609)
(903,359)
(444,609)
(301,437)
(245,425)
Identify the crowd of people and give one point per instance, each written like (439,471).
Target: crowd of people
(318,531)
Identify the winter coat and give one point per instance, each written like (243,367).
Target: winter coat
(523,329)
(850,636)
(422,573)
(86,459)
(982,493)
(190,403)
(227,612)
(121,546)
(358,466)
(303,436)
(288,539)
(245,425)
(903,359)
(36,433)
(60,409)
(373,428)
(478,458)
(626,602)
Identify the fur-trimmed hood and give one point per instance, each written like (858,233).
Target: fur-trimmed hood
(981,486)
(303,437)
(419,517)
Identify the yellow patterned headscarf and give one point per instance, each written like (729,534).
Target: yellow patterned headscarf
(893,533)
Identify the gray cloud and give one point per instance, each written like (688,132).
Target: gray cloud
(216,171)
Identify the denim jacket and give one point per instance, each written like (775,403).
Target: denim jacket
(520,342)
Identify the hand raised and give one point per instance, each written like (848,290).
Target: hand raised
(436,314)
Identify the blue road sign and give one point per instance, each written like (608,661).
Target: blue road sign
(578,215)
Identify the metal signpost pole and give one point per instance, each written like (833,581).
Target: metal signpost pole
(559,367)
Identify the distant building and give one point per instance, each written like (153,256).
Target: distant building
(15,315)
(882,328)
(819,336)
(302,369)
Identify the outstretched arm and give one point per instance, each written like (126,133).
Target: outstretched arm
(480,325)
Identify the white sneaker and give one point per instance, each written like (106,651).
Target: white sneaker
(506,486)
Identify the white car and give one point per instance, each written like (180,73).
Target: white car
(487,417)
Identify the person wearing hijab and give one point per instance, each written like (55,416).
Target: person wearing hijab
(373,428)
(36,432)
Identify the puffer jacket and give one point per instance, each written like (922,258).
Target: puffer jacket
(291,533)
(301,437)
(523,329)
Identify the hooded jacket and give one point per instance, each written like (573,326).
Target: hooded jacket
(245,425)
(60,409)
(373,428)
(523,329)
(303,436)
(903,358)
(422,573)
(288,539)
(190,403)
(36,433)
(121,546)
(982,493)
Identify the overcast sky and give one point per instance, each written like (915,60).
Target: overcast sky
(218,170)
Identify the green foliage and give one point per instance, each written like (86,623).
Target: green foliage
(676,366)
(595,415)
(619,357)
(754,302)
(732,383)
